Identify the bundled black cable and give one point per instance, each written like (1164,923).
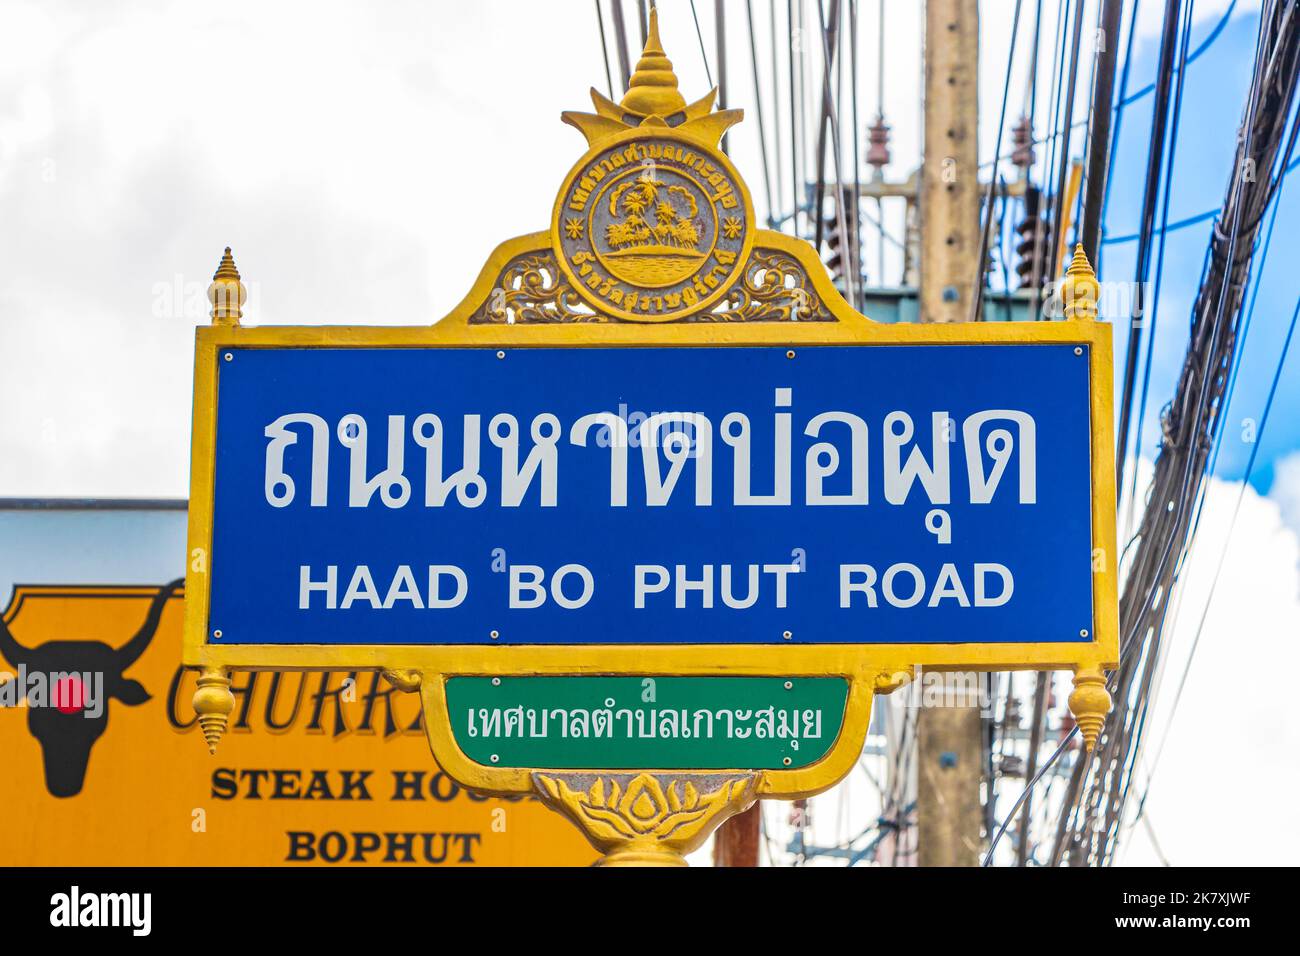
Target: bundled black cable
(1094,803)
(1146,233)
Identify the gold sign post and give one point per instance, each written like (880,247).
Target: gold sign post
(653,242)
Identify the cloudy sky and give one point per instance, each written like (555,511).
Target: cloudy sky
(363,159)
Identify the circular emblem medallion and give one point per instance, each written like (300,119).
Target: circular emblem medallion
(652,228)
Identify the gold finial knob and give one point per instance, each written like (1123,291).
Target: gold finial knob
(227,294)
(652,90)
(1081,288)
(1090,703)
(214,703)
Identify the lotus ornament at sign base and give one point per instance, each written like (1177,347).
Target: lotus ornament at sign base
(647,819)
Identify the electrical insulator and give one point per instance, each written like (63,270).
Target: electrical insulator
(878,148)
(1022,142)
(1009,765)
(1031,248)
(1012,716)
(834,249)
(839,247)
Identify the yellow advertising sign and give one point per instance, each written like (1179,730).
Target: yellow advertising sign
(325,768)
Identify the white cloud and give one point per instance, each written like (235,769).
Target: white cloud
(1224,783)
(1286,489)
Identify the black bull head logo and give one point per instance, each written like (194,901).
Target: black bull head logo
(66,735)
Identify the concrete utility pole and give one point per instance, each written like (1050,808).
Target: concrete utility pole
(949,739)
(950,186)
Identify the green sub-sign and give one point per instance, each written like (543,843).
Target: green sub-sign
(642,723)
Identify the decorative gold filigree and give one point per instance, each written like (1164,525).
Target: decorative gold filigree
(774,288)
(532,290)
(646,818)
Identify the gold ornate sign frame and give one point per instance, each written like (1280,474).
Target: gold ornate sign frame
(781,295)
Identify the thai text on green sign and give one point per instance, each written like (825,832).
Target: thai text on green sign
(629,723)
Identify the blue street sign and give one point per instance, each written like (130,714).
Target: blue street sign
(872,494)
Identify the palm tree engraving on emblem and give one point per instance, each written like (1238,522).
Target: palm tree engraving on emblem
(657,240)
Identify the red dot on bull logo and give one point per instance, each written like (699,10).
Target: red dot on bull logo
(69,695)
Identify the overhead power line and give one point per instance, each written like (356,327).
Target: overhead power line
(1096,797)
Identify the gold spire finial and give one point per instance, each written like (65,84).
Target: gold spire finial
(227,294)
(653,100)
(652,90)
(214,703)
(1081,288)
(1090,703)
